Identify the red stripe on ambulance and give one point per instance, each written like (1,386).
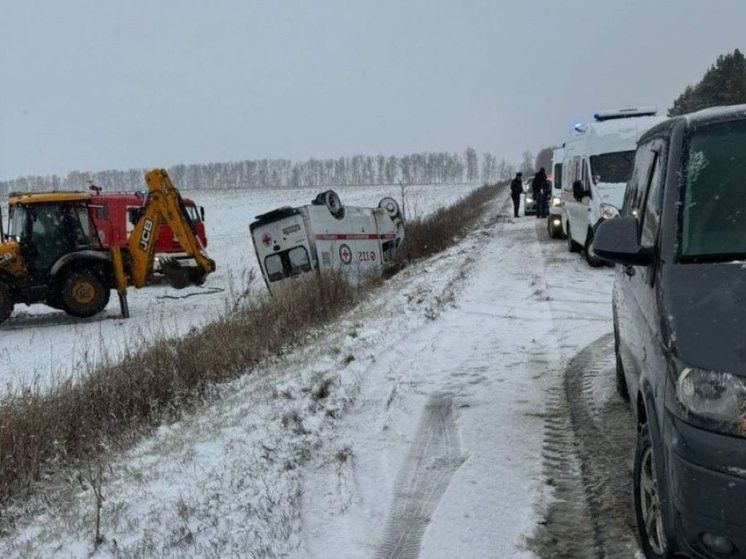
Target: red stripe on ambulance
(354,237)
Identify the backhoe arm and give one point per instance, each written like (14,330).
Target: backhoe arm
(164,202)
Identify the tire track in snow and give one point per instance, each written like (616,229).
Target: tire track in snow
(434,457)
(587,447)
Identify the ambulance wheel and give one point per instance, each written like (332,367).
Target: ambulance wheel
(572,246)
(83,294)
(333,203)
(391,206)
(6,302)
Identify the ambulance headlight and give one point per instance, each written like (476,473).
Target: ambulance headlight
(556,202)
(608,211)
(529,200)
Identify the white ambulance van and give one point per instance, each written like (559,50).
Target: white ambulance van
(596,166)
(325,235)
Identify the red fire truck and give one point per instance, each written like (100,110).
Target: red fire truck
(117,212)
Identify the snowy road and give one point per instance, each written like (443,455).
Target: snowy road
(419,425)
(496,355)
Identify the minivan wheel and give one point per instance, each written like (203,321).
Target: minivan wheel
(590,254)
(572,246)
(648,511)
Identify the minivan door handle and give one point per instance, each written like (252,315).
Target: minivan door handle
(630,270)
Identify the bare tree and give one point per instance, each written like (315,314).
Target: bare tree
(472,164)
(93,478)
(527,165)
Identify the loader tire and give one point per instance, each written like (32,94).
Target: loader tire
(83,294)
(6,302)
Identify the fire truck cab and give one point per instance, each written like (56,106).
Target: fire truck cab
(115,215)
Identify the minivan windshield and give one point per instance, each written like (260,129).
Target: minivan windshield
(612,167)
(714,200)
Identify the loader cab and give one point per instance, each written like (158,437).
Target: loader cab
(50,226)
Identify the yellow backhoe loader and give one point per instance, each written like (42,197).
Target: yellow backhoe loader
(51,253)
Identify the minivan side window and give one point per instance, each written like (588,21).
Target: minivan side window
(653,200)
(634,195)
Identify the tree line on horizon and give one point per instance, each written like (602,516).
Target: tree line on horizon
(724,83)
(357,170)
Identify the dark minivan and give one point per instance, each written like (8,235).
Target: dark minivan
(680,331)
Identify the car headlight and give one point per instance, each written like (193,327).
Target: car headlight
(529,200)
(608,211)
(556,202)
(713,395)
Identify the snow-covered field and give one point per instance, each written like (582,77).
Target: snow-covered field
(412,427)
(39,345)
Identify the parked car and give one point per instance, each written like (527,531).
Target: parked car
(680,329)
(597,165)
(556,207)
(325,235)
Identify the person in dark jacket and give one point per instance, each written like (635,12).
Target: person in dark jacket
(542,208)
(537,184)
(516,189)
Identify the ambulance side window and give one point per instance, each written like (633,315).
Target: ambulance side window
(287,263)
(273,264)
(299,262)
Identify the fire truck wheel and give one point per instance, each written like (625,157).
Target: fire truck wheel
(83,294)
(6,302)
(333,203)
(391,206)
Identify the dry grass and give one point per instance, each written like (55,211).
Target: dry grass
(113,403)
(441,229)
(75,420)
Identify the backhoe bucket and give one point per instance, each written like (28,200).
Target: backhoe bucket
(179,276)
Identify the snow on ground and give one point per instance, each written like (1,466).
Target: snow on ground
(411,427)
(39,345)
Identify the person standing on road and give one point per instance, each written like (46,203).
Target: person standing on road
(536,185)
(516,189)
(542,203)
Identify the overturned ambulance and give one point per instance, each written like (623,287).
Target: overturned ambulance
(325,235)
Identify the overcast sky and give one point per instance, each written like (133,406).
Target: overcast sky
(93,85)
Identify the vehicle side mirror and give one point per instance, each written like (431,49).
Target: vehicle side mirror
(616,240)
(202,212)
